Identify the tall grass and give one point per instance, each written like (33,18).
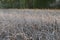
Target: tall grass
(29,27)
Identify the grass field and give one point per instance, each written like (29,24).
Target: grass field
(19,24)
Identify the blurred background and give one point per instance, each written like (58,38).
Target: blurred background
(30,4)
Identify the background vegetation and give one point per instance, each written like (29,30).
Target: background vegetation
(29,4)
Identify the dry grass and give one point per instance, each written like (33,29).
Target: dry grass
(29,27)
